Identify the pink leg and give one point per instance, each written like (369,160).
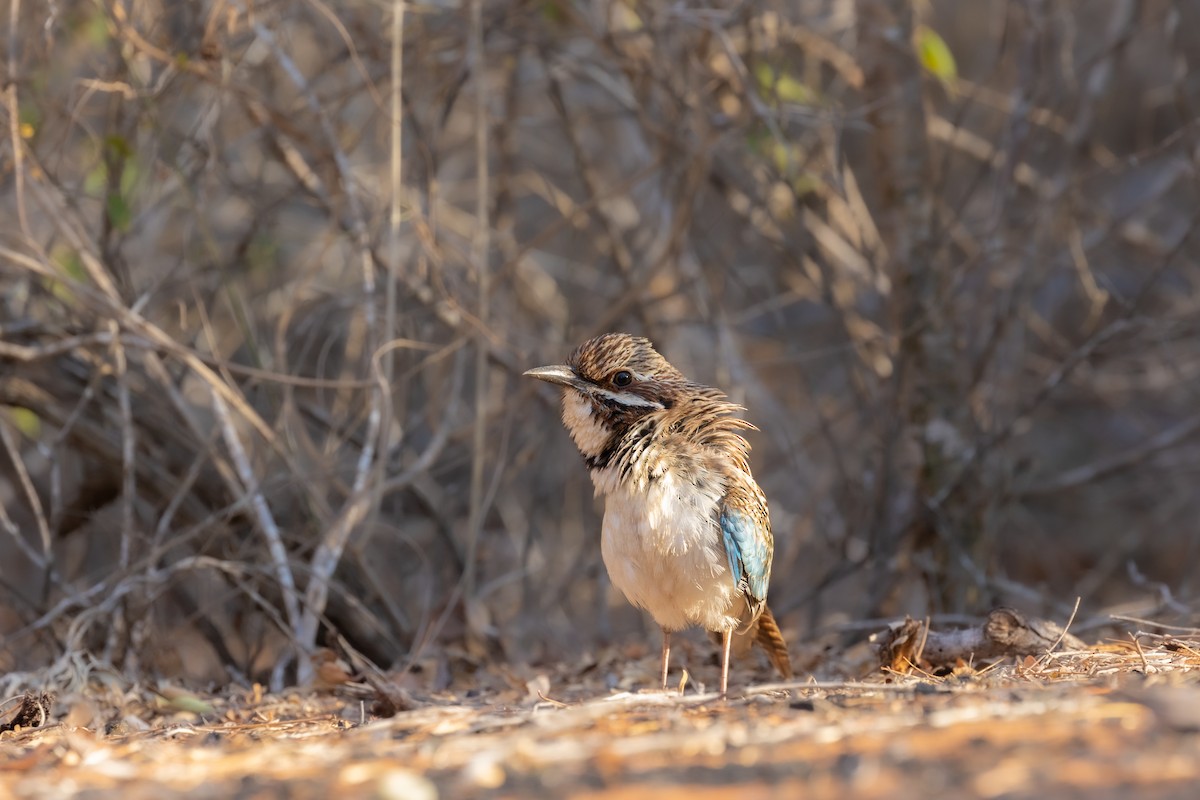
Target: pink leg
(666,656)
(726,641)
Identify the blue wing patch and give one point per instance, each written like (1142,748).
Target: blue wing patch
(748,547)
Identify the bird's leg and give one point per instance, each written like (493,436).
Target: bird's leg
(666,656)
(726,641)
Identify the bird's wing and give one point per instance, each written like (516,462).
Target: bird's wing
(746,529)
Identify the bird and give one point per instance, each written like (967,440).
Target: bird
(686,533)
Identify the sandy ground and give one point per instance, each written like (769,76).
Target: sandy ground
(1124,722)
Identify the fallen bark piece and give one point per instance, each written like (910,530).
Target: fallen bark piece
(1005,632)
(33,712)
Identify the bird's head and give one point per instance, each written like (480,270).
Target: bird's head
(611,383)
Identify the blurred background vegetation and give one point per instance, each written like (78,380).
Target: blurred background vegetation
(272,269)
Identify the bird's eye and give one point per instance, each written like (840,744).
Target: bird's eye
(622,377)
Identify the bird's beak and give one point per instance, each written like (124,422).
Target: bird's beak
(559,373)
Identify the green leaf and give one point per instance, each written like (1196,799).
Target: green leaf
(129,177)
(118,146)
(552,11)
(183,700)
(784,155)
(119,214)
(26,421)
(70,263)
(934,54)
(783,86)
(96,179)
(30,115)
(263,252)
(95,30)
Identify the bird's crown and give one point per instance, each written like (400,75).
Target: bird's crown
(605,359)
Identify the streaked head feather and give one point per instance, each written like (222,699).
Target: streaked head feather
(612,424)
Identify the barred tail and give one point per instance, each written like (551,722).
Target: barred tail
(770,639)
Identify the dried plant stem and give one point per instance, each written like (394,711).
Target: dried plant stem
(262,512)
(44,559)
(397,127)
(480,245)
(396,215)
(118,631)
(385,366)
(128,446)
(14,116)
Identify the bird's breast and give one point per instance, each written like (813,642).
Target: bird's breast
(663,548)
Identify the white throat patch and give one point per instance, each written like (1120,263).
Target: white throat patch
(589,434)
